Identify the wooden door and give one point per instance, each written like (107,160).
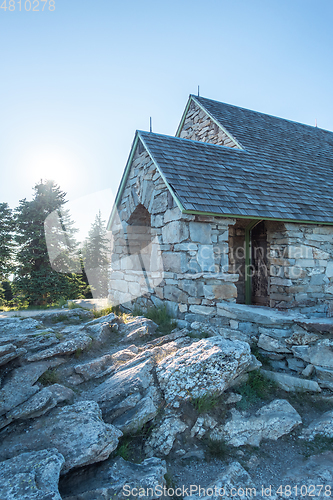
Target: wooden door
(260,295)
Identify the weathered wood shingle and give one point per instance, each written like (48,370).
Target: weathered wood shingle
(285,170)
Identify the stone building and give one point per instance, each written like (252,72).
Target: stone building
(236,208)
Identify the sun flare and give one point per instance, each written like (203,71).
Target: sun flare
(51,163)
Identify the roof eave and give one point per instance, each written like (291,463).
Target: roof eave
(180,126)
(123,181)
(173,194)
(121,188)
(255,217)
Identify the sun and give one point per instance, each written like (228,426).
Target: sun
(50,163)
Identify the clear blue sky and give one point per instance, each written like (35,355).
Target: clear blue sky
(77,82)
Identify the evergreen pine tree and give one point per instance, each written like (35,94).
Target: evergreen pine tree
(87,290)
(6,240)
(6,246)
(7,290)
(35,278)
(96,257)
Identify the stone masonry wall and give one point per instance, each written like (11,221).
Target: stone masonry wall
(186,263)
(145,192)
(297,347)
(198,126)
(299,264)
(301,258)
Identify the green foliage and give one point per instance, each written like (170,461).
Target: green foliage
(171,484)
(318,445)
(218,449)
(6,252)
(73,305)
(198,334)
(61,302)
(64,318)
(86,290)
(42,334)
(17,303)
(256,388)
(59,318)
(169,481)
(96,257)
(264,360)
(205,403)
(6,240)
(106,311)
(162,318)
(137,311)
(49,377)
(36,278)
(123,449)
(2,295)
(7,290)
(131,445)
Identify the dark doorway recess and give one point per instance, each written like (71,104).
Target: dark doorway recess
(139,236)
(259,267)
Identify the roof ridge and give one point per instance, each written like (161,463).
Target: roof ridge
(194,141)
(262,113)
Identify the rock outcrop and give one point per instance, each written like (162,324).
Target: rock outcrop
(162,438)
(81,341)
(314,478)
(77,432)
(31,476)
(19,386)
(202,425)
(270,422)
(205,367)
(8,352)
(129,398)
(123,477)
(233,481)
(322,426)
(290,383)
(73,388)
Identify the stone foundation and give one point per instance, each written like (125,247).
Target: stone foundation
(292,343)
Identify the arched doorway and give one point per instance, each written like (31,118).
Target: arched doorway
(139,236)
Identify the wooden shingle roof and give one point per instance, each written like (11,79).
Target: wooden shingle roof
(284,171)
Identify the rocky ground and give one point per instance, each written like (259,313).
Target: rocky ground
(92,408)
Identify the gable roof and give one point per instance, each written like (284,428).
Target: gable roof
(227,181)
(283,171)
(261,133)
